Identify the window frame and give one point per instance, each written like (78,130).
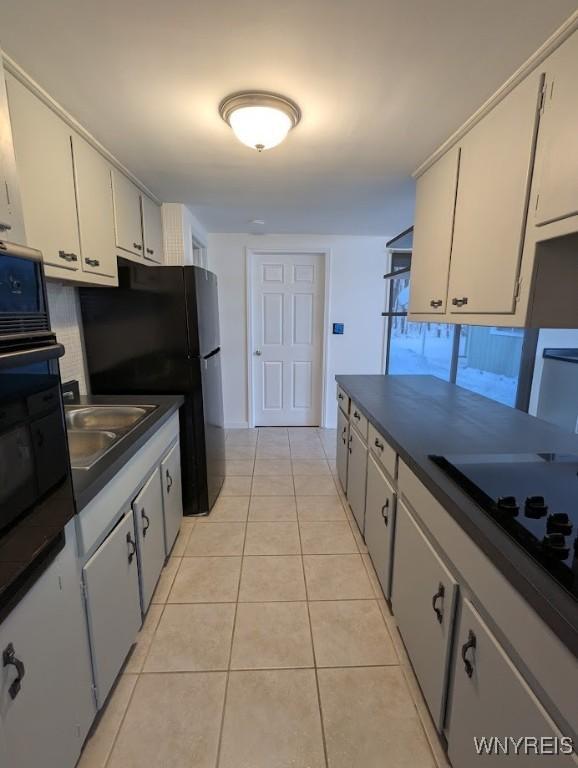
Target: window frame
(399,260)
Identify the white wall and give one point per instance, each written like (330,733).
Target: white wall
(180,225)
(549,337)
(356,298)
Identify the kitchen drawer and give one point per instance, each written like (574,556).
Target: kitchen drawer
(358,420)
(343,401)
(382,451)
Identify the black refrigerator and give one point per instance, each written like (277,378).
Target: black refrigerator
(158,333)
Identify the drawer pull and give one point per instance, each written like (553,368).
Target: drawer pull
(343,435)
(384,512)
(460,302)
(467,646)
(67,256)
(340,396)
(356,415)
(132,545)
(350,441)
(92,262)
(436,303)
(379,444)
(145,519)
(9,659)
(169,481)
(5,227)
(439,595)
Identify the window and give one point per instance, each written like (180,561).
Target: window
(495,362)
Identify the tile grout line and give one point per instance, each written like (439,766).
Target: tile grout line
(307,602)
(228,672)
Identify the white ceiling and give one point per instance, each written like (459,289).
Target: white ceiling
(381,83)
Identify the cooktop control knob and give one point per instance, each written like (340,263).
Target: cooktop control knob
(508,504)
(559,523)
(555,545)
(535,507)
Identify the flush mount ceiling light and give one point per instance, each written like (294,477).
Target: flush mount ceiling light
(259,119)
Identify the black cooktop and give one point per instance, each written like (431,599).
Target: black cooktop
(533,497)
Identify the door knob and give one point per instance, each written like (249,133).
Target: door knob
(258,352)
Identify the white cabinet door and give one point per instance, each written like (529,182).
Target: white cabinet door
(11,222)
(95,209)
(432,235)
(44,159)
(113,603)
(490,698)
(356,477)
(557,153)
(172,495)
(152,225)
(342,453)
(379,523)
(495,170)
(150,531)
(423,601)
(49,717)
(127,214)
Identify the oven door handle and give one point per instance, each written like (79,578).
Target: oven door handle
(34,355)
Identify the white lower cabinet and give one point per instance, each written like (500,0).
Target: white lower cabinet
(423,599)
(379,523)
(489,698)
(150,536)
(357,476)
(47,704)
(342,453)
(172,495)
(113,604)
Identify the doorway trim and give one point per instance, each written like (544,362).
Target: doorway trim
(250,254)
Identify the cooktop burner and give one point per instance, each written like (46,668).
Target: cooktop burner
(533,497)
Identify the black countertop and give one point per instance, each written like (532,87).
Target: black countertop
(422,415)
(88,482)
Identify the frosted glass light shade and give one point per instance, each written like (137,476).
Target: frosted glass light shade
(260,127)
(260,120)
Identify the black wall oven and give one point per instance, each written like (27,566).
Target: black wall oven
(36,498)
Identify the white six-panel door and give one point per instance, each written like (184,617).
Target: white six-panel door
(287,324)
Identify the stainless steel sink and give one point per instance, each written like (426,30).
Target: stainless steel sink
(108,417)
(87,446)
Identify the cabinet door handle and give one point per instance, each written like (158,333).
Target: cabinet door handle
(132,545)
(340,396)
(469,645)
(384,512)
(150,250)
(146,520)
(137,246)
(439,595)
(460,302)
(349,442)
(436,303)
(5,227)
(356,415)
(67,256)
(9,659)
(169,481)
(92,262)
(378,444)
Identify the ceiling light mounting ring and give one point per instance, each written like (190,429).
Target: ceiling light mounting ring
(260,119)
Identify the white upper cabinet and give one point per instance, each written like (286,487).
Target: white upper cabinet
(557,154)
(152,225)
(127,214)
(44,160)
(434,222)
(493,189)
(11,221)
(95,210)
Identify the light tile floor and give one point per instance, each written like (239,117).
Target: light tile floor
(268,643)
